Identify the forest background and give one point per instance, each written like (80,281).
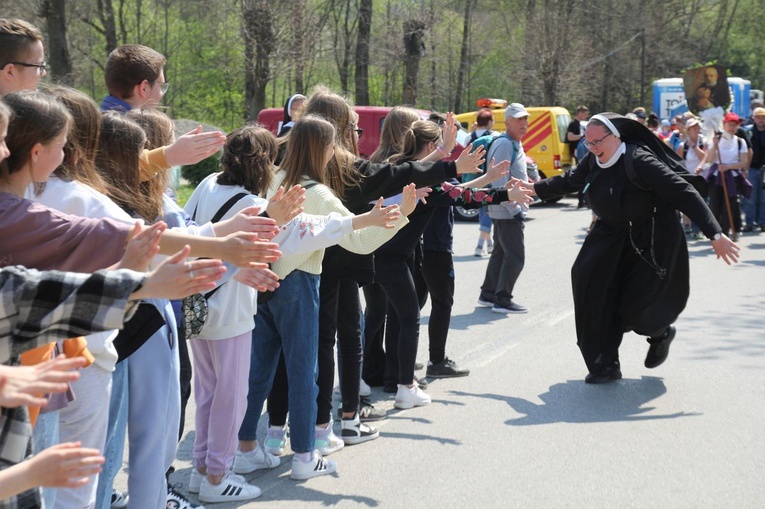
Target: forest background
(228,59)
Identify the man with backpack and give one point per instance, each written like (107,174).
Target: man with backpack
(508,257)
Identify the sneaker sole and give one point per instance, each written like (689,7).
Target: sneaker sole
(484,304)
(313,474)
(242,471)
(455,375)
(407,406)
(327,452)
(355,440)
(225,498)
(508,311)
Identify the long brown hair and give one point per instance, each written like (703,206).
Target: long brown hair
(306,149)
(341,171)
(35,118)
(416,137)
(248,159)
(119,149)
(82,142)
(160,131)
(392,132)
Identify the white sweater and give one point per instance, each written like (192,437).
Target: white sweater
(231,309)
(81,200)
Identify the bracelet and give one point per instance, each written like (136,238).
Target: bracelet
(442,149)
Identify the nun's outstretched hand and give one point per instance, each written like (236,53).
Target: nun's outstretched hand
(726,249)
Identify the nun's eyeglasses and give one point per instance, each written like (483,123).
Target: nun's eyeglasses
(596,143)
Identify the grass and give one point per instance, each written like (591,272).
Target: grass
(183,193)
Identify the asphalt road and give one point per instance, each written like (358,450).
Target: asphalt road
(523,430)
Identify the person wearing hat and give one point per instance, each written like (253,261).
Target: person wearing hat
(754,206)
(729,154)
(632,273)
(665,131)
(640,114)
(508,257)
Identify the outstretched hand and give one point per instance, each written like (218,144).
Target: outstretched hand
(64,466)
(263,280)
(495,171)
(726,249)
(449,132)
(468,162)
(248,220)
(284,206)
(516,193)
(384,216)
(175,279)
(22,384)
(142,246)
(194,146)
(408,199)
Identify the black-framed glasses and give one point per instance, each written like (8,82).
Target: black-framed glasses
(41,67)
(596,143)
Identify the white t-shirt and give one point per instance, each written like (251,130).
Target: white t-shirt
(732,151)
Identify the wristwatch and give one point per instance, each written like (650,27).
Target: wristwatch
(717,236)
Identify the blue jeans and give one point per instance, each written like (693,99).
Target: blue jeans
(288,321)
(484,221)
(115,435)
(46,434)
(754,206)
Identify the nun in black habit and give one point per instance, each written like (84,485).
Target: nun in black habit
(632,271)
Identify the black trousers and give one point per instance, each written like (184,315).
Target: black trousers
(436,278)
(403,328)
(720,210)
(374,334)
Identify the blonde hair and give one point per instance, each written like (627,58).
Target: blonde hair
(416,137)
(395,125)
(306,149)
(118,161)
(341,170)
(159,130)
(82,141)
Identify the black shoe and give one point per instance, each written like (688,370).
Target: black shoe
(390,388)
(748,229)
(447,368)
(605,375)
(659,349)
(368,412)
(421,383)
(418,366)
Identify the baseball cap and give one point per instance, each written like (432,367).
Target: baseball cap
(640,112)
(731,117)
(759,112)
(665,122)
(516,110)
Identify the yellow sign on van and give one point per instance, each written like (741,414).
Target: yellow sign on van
(545,139)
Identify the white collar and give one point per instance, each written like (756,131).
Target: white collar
(619,151)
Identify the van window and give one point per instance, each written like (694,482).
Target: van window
(563,121)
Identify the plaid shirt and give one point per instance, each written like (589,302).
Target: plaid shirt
(37,308)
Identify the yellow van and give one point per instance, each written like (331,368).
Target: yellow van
(545,140)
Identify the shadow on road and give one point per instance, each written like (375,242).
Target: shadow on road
(576,402)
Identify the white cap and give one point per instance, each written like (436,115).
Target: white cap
(516,110)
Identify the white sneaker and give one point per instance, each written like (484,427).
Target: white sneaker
(276,440)
(248,462)
(119,499)
(353,431)
(407,397)
(364,389)
(479,252)
(314,468)
(195,481)
(326,440)
(490,247)
(232,487)
(177,500)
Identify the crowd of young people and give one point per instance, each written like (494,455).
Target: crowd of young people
(83,188)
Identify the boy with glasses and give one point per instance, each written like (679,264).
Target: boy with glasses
(22,56)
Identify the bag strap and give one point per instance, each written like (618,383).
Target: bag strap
(217,217)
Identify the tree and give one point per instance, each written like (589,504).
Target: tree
(414,44)
(257,23)
(54,12)
(464,55)
(361,75)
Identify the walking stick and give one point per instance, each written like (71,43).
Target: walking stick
(733,232)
